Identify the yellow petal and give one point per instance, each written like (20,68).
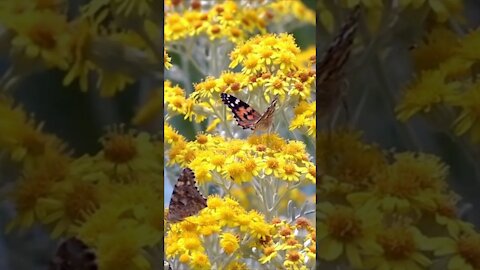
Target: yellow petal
(353,256)
(330,249)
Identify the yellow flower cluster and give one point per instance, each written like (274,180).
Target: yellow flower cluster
(393,211)
(227,226)
(104,199)
(22,138)
(271,67)
(305,117)
(228,19)
(444,83)
(178,103)
(214,158)
(166,60)
(223,221)
(294,244)
(44,38)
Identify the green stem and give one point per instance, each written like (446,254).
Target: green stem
(389,97)
(227,127)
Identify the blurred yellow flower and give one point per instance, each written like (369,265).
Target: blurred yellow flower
(402,247)
(347,230)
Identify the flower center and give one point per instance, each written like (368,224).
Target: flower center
(397,243)
(42,37)
(120,149)
(344,226)
(469,249)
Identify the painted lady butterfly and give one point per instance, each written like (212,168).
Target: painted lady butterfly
(246,116)
(186,198)
(73,254)
(330,69)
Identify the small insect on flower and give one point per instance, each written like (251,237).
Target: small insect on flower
(74,254)
(246,116)
(331,66)
(186,198)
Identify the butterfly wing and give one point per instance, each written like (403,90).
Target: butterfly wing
(186,198)
(265,121)
(331,66)
(245,115)
(73,254)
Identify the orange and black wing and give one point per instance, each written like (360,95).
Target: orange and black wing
(245,115)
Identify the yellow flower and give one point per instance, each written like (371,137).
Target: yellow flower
(276,85)
(259,230)
(289,171)
(236,172)
(26,195)
(110,82)
(99,222)
(269,252)
(68,204)
(430,89)
(191,243)
(237,266)
(200,261)
(468,45)
(167,61)
(294,261)
(409,184)
(123,248)
(23,138)
(346,230)
(345,157)
(229,242)
(283,9)
(257,53)
(209,87)
(439,46)
(469,118)
(462,249)
(402,247)
(81,65)
(126,156)
(42,35)
(171,135)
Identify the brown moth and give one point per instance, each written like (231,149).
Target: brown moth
(186,198)
(73,254)
(330,69)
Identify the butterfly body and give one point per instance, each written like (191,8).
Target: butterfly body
(246,116)
(186,198)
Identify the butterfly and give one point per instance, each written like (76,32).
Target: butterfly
(246,116)
(186,198)
(330,69)
(73,254)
